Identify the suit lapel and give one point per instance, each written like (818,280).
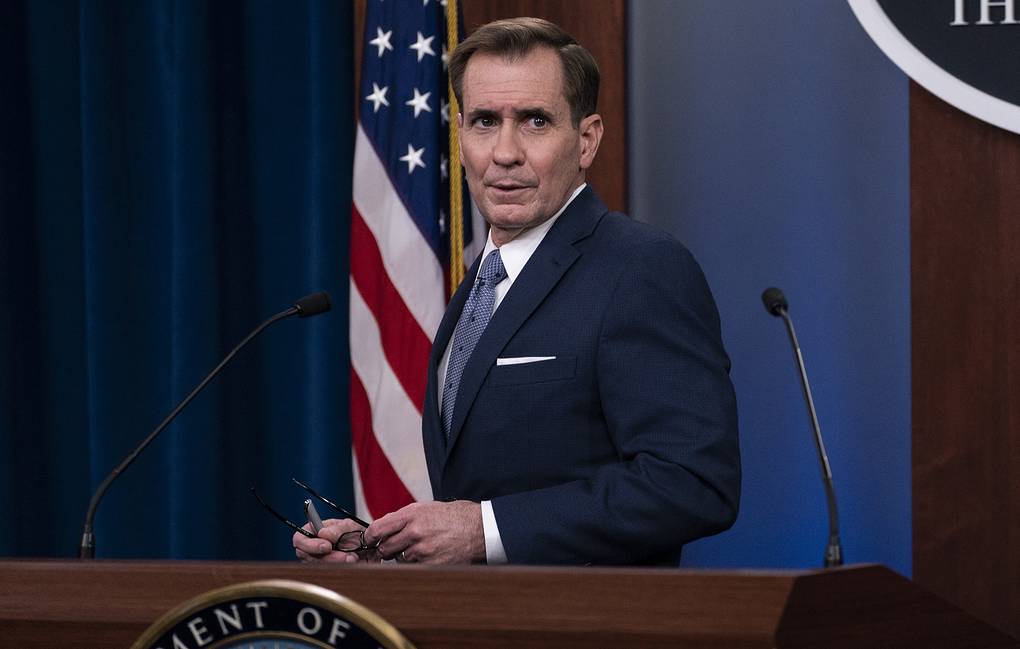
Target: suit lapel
(540,275)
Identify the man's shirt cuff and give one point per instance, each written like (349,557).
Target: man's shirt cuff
(494,552)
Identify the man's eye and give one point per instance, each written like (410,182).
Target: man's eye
(538,122)
(486,122)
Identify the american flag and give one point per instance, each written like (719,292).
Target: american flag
(399,246)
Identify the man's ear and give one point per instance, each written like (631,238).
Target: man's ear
(590,134)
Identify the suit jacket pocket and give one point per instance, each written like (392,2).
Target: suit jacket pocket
(557,369)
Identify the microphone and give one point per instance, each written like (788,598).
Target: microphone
(313,304)
(307,306)
(775,301)
(776,304)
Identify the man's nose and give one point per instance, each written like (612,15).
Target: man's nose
(508,151)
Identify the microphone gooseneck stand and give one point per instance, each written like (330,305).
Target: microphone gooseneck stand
(307,306)
(776,304)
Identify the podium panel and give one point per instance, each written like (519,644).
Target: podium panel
(75,604)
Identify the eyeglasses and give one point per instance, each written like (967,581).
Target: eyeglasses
(348,542)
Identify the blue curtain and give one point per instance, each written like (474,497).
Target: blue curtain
(171,174)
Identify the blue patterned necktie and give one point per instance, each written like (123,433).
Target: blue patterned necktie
(473,320)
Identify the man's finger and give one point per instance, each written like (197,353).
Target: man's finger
(335,528)
(314,546)
(300,541)
(339,557)
(386,526)
(331,557)
(370,556)
(392,546)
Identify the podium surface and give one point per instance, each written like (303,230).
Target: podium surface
(110,603)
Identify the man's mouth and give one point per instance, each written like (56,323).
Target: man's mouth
(508,188)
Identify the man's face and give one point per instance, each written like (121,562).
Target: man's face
(521,153)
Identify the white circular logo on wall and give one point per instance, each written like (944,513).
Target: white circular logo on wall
(966,52)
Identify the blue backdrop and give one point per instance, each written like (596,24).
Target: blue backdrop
(172,174)
(771,137)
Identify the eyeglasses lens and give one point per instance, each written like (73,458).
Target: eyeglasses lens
(350,542)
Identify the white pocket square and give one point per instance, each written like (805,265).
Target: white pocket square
(520,360)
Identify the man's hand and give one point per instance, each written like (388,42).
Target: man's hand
(431,532)
(321,549)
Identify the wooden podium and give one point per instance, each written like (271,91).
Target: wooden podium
(109,603)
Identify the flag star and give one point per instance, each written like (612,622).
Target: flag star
(442,2)
(413,158)
(446,58)
(419,102)
(382,40)
(423,46)
(378,97)
(442,221)
(444,110)
(424,3)
(442,167)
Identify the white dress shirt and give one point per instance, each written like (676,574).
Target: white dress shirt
(514,255)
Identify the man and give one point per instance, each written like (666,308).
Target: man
(579,408)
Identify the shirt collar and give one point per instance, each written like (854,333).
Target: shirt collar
(516,253)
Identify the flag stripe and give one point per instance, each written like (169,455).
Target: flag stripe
(381,487)
(395,421)
(409,261)
(404,344)
(360,506)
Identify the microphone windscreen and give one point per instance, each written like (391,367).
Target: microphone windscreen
(774,301)
(313,304)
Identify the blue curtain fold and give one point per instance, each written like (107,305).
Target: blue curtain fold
(171,174)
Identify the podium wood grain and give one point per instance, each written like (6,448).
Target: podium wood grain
(109,604)
(965,321)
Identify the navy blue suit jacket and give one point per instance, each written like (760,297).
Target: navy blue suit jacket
(624,446)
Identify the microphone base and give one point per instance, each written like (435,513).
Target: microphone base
(87,550)
(833,555)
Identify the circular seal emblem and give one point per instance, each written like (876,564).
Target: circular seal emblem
(272,614)
(966,52)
